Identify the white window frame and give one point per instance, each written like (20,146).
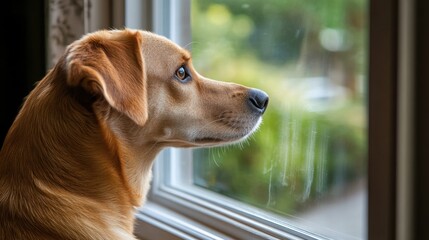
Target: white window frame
(207,212)
(172,212)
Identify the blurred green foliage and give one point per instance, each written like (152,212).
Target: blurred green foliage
(299,154)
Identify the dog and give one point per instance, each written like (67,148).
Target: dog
(77,160)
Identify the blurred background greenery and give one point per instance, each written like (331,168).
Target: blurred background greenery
(310,57)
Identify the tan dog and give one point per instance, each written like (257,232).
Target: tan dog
(77,160)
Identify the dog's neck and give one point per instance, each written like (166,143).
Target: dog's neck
(136,159)
(132,146)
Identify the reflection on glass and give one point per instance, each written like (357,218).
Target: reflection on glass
(307,162)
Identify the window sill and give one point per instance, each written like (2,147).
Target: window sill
(174,214)
(154,221)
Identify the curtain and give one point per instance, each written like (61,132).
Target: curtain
(69,20)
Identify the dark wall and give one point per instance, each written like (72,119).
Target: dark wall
(421,127)
(22,55)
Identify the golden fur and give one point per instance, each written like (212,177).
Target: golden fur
(77,159)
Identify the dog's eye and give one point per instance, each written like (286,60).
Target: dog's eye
(182,74)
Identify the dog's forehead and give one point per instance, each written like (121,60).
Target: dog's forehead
(160,51)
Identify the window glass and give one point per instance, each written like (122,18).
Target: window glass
(307,162)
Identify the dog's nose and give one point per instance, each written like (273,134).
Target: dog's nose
(258,100)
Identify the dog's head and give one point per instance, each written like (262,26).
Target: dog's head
(149,91)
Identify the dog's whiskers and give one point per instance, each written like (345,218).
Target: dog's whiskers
(189,44)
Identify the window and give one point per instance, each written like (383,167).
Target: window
(307,162)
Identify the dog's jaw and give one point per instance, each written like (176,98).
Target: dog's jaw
(223,140)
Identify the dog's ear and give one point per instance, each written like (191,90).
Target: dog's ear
(110,63)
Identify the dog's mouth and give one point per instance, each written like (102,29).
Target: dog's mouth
(219,135)
(218,139)
(209,140)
